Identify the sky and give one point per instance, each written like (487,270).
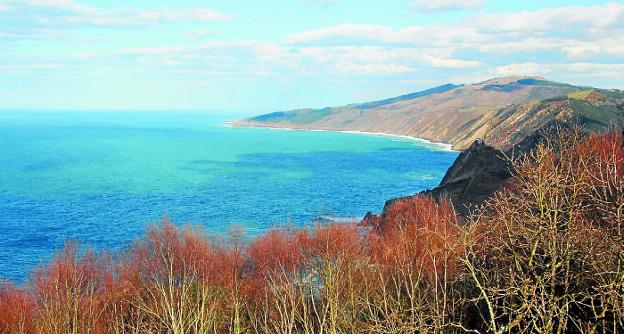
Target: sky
(266,55)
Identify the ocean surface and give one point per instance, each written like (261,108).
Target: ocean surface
(101,178)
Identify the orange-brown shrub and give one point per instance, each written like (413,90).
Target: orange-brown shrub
(277,255)
(414,251)
(277,250)
(545,252)
(69,292)
(601,158)
(168,251)
(333,242)
(16,310)
(417,231)
(174,279)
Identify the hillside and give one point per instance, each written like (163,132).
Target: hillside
(509,126)
(502,111)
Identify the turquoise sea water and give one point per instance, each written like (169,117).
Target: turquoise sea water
(100,178)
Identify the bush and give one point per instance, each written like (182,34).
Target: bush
(546,253)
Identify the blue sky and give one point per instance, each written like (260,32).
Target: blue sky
(257,56)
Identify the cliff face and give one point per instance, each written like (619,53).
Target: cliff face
(475,175)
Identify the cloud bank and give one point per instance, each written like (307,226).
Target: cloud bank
(578,44)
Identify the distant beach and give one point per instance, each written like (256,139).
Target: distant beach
(443,146)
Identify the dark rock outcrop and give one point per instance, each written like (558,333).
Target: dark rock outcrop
(371,219)
(477,173)
(474,176)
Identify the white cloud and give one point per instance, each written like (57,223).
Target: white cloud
(449,62)
(69,11)
(501,30)
(528,69)
(270,58)
(578,40)
(611,44)
(597,70)
(4,7)
(320,3)
(572,69)
(581,49)
(122,18)
(445,5)
(362,60)
(552,19)
(581,33)
(200,34)
(67,5)
(193,14)
(346,30)
(374,69)
(349,34)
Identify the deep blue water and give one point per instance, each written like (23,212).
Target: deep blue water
(101,178)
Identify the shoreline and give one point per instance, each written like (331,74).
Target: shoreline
(444,146)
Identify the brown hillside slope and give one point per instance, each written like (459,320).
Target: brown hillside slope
(506,127)
(451,114)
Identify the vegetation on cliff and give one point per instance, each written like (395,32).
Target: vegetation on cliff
(544,254)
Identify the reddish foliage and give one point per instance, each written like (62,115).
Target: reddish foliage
(334,241)
(606,148)
(174,257)
(416,231)
(185,253)
(276,250)
(70,290)
(68,269)
(16,310)
(603,173)
(277,254)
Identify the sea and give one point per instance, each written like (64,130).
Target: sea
(100,178)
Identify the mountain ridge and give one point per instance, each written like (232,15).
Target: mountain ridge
(460,114)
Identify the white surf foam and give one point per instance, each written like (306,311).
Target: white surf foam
(437,145)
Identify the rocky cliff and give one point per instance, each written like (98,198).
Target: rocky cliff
(475,175)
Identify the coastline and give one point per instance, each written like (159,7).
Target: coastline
(443,146)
